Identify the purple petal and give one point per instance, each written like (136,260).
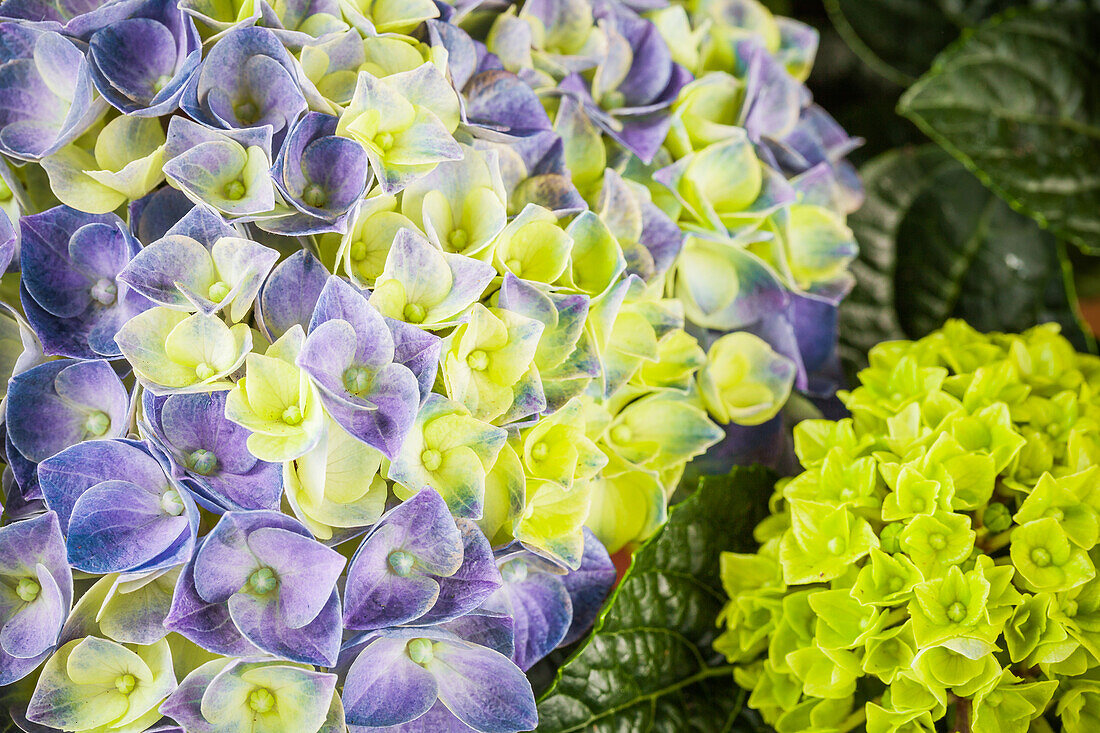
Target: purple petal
(429,532)
(385,687)
(193,422)
(37,541)
(260,621)
(203,225)
(117,526)
(152,216)
(375,596)
(290,294)
(185,703)
(541,609)
(39,423)
(395,395)
(225,560)
(483,688)
(49,273)
(500,100)
(486,628)
(307,571)
(418,350)
(438,719)
(206,624)
(34,629)
(589,586)
(340,300)
(474,581)
(65,476)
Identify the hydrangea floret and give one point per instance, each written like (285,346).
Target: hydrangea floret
(343,340)
(934,564)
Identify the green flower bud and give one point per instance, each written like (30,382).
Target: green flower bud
(997,517)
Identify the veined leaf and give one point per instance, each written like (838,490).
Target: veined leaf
(900,38)
(1018,104)
(935,244)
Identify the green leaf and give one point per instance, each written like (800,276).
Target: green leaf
(935,244)
(900,38)
(1017,103)
(649,665)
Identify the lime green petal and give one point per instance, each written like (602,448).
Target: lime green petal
(142,341)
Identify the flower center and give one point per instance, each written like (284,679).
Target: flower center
(937,541)
(420,651)
(478,360)
(27,590)
(161,82)
(202,462)
(613,100)
(292,415)
(97,423)
(1056,513)
(956,612)
(383,140)
(359,250)
(234,190)
(896,584)
(431,459)
(125,683)
(204,371)
(263,580)
(356,380)
(261,700)
(401,563)
(514,571)
(217,292)
(539,451)
(622,434)
(246,111)
(171,503)
(835,546)
(1040,557)
(314,195)
(458,239)
(414,313)
(104,291)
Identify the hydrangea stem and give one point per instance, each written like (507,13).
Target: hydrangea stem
(962,715)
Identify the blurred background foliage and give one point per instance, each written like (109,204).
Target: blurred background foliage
(982,194)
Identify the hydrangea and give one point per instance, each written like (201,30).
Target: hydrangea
(352,336)
(936,559)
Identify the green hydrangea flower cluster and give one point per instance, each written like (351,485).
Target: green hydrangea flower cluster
(936,561)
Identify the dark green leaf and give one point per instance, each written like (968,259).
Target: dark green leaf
(1018,103)
(900,38)
(936,244)
(648,665)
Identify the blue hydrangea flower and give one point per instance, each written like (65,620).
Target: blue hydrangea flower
(209,453)
(36,593)
(259,580)
(70,289)
(418,566)
(48,90)
(118,508)
(141,62)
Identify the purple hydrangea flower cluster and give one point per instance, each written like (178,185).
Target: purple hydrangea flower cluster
(343,339)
